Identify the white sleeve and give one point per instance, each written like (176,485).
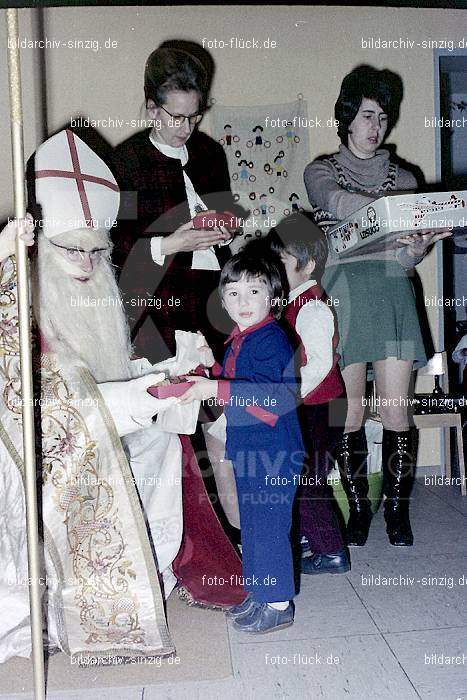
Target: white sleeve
(315,326)
(156,254)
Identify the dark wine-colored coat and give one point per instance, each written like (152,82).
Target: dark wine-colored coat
(154,203)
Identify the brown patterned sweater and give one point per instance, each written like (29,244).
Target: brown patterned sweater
(340,184)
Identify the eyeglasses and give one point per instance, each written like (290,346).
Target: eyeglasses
(179,119)
(77,254)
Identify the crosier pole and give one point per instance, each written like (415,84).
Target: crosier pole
(16,117)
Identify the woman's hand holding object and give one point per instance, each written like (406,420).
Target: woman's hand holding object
(187,239)
(418,243)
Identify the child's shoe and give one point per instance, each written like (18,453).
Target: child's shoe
(305,548)
(241,609)
(262,619)
(335,563)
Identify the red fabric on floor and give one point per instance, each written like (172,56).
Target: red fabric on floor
(207,564)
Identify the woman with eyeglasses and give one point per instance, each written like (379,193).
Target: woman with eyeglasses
(169,173)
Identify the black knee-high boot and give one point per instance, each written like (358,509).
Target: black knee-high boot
(399,457)
(352,453)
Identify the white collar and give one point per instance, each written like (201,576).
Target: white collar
(301,288)
(179,152)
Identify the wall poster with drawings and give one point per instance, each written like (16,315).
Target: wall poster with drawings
(267,149)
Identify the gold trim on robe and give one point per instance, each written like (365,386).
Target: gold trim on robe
(103,590)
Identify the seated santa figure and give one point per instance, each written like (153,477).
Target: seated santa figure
(122,503)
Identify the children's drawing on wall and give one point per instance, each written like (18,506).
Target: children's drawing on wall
(258,142)
(267,150)
(278,166)
(228,139)
(242,176)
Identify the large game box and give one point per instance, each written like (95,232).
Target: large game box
(378,225)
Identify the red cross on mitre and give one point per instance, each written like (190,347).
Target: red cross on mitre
(74,187)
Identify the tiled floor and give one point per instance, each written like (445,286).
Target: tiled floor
(392,628)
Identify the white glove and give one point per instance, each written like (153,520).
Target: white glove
(141,366)
(130,405)
(23,228)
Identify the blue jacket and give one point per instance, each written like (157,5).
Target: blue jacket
(261,406)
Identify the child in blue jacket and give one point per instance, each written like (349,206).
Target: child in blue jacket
(257,388)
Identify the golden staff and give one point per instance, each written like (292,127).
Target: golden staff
(16,118)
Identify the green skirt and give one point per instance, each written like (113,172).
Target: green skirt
(375,305)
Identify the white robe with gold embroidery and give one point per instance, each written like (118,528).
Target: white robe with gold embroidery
(103,594)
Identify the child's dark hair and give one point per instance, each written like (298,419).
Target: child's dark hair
(382,86)
(299,236)
(245,264)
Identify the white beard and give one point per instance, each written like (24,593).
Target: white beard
(96,336)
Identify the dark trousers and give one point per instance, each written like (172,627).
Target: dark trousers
(265,522)
(322,426)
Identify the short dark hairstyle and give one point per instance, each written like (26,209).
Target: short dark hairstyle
(382,86)
(172,68)
(299,236)
(251,266)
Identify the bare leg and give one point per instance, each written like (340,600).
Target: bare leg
(355,384)
(392,384)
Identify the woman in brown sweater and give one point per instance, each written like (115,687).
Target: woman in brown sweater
(377,317)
